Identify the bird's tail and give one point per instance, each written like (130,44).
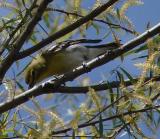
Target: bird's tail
(94,51)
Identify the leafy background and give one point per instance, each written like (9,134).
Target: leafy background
(36,117)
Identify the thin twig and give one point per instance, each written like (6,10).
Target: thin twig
(105,108)
(98,20)
(66,30)
(119,130)
(103,86)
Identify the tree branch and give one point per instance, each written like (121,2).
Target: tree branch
(66,30)
(101,87)
(116,132)
(107,119)
(54,85)
(12,35)
(98,20)
(9,60)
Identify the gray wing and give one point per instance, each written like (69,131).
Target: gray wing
(85,52)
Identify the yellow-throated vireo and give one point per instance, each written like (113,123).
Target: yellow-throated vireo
(62,58)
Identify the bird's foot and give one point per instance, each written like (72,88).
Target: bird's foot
(86,67)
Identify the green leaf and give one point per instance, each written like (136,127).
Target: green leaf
(158,61)
(118,13)
(140,57)
(100,126)
(95,97)
(20,86)
(46,19)
(73,134)
(142,48)
(127,74)
(110,92)
(77,4)
(55,24)
(120,76)
(96,27)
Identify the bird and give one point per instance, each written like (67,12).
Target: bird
(62,58)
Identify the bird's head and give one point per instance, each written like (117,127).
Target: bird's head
(30,76)
(33,72)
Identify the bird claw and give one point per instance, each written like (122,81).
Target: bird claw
(87,68)
(58,77)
